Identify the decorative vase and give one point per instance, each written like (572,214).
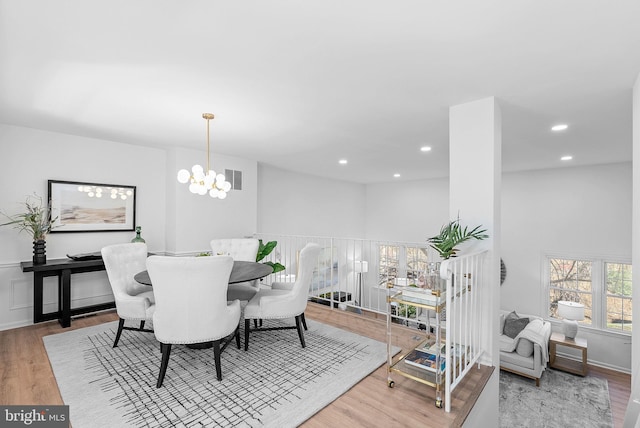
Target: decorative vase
(39,252)
(138,238)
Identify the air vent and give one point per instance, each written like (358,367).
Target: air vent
(234,177)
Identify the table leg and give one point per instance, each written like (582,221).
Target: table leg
(37,298)
(64,297)
(552,353)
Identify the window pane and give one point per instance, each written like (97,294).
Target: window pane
(619,313)
(619,291)
(417,265)
(619,279)
(570,280)
(388,264)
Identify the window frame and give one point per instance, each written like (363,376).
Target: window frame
(606,295)
(598,288)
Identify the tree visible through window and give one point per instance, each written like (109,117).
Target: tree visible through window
(570,280)
(604,288)
(619,289)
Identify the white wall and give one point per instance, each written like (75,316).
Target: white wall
(299,204)
(564,210)
(31,157)
(406,211)
(172,219)
(574,210)
(633,409)
(195,220)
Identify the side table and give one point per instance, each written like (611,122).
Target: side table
(566,364)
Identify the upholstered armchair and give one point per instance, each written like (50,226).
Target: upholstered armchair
(284,302)
(134,301)
(524,344)
(241,249)
(191,304)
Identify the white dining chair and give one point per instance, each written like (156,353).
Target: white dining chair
(281,303)
(191,305)
(134,301)
(241,249)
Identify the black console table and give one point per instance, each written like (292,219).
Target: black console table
(63,269)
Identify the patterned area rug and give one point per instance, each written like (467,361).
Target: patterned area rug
(276,383)
(563,400)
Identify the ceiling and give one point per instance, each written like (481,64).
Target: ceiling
(302,84)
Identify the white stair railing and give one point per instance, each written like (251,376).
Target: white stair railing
(355,273)
(464,318)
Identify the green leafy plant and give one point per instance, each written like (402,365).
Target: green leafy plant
(36,218)
(264,250)
(452,235)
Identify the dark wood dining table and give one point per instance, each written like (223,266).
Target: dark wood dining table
(241,272)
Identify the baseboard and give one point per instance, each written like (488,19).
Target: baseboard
(596,363)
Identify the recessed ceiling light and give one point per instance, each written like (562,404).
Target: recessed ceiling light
(342,162)
(566,158)
(396,175)
(425,149)
(560,127)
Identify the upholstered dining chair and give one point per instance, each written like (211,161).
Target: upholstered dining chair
(269,303)
(134,301)
(191,305)
(241,249)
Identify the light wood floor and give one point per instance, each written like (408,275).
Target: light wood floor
(26,378)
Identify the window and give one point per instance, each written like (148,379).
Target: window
(389,263)
(410,263)
(618,277)
(417,264)
(570,280)
(603,287)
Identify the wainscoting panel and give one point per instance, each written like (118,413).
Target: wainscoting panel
(16,294)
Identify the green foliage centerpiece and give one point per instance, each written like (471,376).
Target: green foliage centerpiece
(35,220)
(452,235)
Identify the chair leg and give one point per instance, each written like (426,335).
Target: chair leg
(120,326)
(166,351)
(300,331)
(255,323)
(247,325)
(141,324)
(238,336)
(216,357)
(304,321)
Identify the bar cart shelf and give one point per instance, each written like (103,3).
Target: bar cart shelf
(426,362)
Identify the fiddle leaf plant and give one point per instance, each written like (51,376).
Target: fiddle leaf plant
(264,250)
(452,235)
(36,218)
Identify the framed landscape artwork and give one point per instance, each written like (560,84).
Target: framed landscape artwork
(92,207)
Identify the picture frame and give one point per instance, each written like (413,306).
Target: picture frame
(91,207)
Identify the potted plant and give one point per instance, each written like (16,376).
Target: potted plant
(264,250)
(36,220)
(452,235)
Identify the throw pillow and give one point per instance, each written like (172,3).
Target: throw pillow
(514,326)
(510,316)
(525,347)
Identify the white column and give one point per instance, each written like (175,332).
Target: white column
(475,172)
(633,409)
